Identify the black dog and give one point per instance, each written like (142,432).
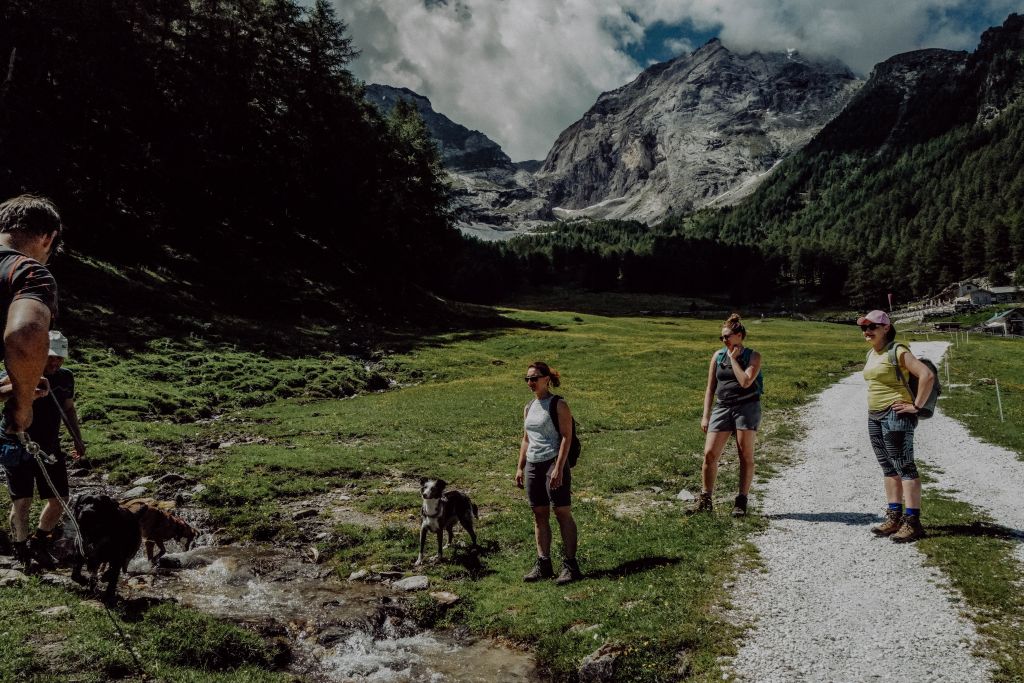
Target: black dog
(441,510)
(110,537)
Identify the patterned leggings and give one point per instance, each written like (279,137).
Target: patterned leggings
(892,439)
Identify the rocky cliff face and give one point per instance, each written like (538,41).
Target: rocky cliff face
(461,149)
(699,129)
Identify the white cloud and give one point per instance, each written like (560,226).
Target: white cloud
(523,70)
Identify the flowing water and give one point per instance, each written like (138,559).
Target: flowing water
(337,630)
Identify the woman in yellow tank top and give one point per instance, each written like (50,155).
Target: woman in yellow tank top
(892,418)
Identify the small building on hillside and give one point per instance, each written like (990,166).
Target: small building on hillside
(1007,322)
(974,297)
(966,287)
(1005,295)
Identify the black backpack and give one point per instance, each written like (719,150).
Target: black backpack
(574,446)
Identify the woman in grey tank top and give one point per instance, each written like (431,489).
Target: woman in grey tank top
(544,472)
(734,383)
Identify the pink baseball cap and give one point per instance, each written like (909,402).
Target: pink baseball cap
(879,317)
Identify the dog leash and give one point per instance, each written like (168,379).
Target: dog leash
(43,459)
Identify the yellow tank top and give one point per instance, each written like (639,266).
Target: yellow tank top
(884,387)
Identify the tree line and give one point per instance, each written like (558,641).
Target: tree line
(226,140)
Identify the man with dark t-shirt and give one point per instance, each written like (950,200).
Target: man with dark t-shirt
(30,232)
(48,414)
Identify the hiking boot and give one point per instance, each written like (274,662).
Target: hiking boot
(39,545)
(541,570)
(5,544)
(22,556)
(890,525)
(909,531)
(739,508)
(570,572)
(703,504)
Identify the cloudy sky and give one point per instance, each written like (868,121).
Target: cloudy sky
(523,70)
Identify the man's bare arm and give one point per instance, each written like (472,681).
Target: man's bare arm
(26,346)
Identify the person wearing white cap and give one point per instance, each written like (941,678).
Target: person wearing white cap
(48,413)
(892,418)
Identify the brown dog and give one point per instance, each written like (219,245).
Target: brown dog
(158,525)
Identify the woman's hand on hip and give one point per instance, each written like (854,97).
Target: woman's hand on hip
(904,408)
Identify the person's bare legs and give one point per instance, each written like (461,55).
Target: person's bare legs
(745,440)
(567,526)
(51,513)
(19,518)
(542,530)
(714,444)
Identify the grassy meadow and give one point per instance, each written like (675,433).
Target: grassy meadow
(261,432)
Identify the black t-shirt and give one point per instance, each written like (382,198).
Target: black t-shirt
(24,278)
(45,429)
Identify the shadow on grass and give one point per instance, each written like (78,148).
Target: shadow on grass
(850,518)
(630,567)
(976,529)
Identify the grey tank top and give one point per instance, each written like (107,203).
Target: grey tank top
(540,431)
(728,391)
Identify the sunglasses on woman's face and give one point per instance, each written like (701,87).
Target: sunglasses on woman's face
(726,336)
(534,378)
(871,326)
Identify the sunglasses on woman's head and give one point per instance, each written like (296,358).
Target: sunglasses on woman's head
(534,378)
(871,326)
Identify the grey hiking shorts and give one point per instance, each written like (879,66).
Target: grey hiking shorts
(746,415)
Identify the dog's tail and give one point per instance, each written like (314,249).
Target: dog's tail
(476,512)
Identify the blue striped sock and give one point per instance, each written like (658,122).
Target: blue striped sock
(912,512)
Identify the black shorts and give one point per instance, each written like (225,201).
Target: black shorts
(538,486)
(23,473)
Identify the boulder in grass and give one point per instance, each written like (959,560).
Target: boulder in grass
(137,492)
(599,665)
(412,583)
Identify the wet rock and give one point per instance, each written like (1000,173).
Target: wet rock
(143,481)
(191,559)
(599,665)
(685,495)
(137,492)
(358,575)
(11,577)
(171,478)
(331,635)
(304,514)
(58,611)
(412,583)
(445,598)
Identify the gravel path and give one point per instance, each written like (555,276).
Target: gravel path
(834,603)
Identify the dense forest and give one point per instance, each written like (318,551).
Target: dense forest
(224,146)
